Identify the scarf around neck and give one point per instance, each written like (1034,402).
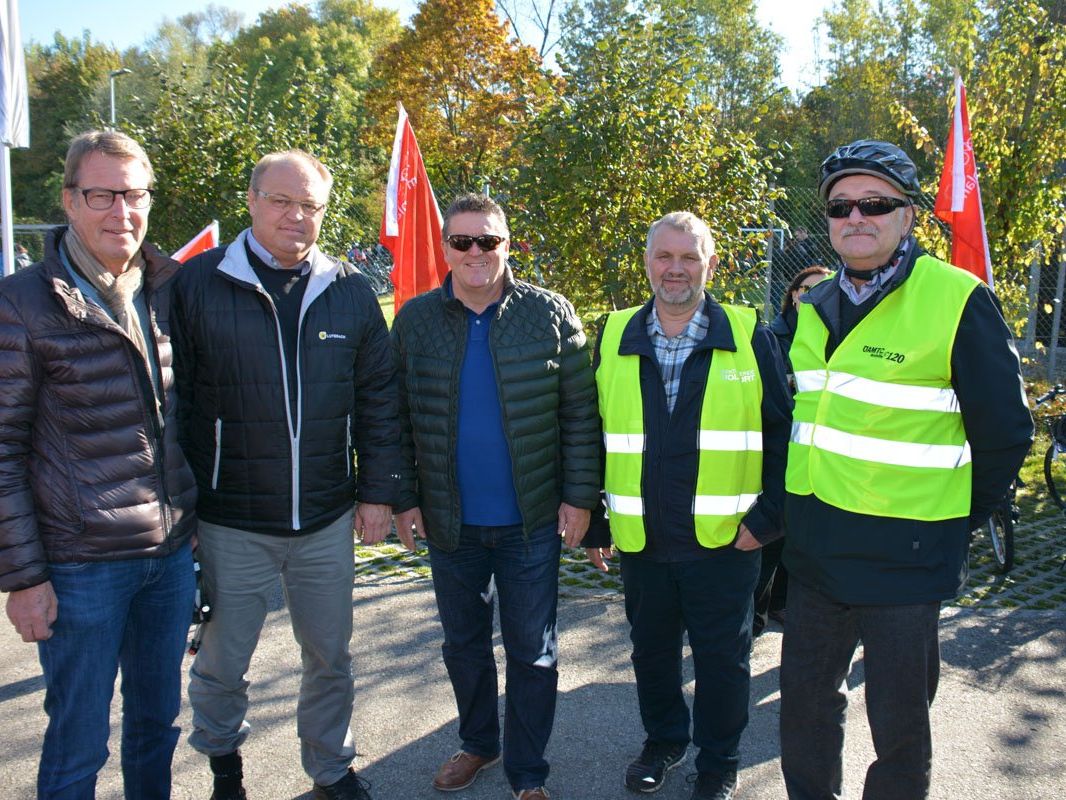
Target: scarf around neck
(118,292)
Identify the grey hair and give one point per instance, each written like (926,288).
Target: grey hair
(689,223)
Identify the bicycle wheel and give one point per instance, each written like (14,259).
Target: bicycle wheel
(1055,475)
(1000,528)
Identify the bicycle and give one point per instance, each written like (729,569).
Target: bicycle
(1000,528)
(1000,523)
(1054,465)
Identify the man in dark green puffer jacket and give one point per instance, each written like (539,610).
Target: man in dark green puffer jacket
(501,460)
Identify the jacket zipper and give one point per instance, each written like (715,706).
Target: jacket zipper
(294,432)
(218,453)
(348,450)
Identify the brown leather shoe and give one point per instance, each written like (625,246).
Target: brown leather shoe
(540,793)
(461,770)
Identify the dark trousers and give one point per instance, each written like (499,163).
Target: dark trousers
(493,561)
(901,660)
(772,586)
(710,599)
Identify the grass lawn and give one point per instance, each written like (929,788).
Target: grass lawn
(385,301)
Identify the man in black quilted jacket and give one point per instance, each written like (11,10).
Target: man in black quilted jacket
(285,373)
(96,499)
(500,463)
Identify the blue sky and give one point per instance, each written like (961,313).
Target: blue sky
(123,23)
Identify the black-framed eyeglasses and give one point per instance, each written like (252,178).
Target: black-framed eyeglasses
(102,199)
(283,204)
(486,242)
(804,288)
(868,206)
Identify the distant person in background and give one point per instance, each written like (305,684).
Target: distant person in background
(22,257)
(772,586)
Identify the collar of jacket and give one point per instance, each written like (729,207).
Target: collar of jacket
(827,296)
(235,265)
(636,342)
(823,296)
(158,269)
(453,303)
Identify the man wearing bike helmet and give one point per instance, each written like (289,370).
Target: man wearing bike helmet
(910,423)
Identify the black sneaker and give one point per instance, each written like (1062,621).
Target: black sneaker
(228,774)
(350,787)
(709,786)
(648,772)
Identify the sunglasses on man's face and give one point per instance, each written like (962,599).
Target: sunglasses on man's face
(486,243)
(868,207)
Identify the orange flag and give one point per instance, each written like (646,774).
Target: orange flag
(958,202)
(411,225)
(200,243)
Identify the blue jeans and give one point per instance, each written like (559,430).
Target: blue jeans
(133,614)
(901,661)
(526,577)
(711,599)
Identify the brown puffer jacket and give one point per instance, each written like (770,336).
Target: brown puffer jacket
(88,471)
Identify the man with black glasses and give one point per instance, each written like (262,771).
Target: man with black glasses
(910,423)
(98,503)
(500,461)
(285,373)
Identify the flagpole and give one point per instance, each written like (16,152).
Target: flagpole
(5,211)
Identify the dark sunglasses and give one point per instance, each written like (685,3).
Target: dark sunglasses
(486,242)
(868,207)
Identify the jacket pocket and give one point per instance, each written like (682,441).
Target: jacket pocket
(218,453)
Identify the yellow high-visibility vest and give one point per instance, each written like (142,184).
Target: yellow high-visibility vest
(877,428)
(729,476)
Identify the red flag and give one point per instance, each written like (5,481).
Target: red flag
(958,202)
(200,243)
(411,225)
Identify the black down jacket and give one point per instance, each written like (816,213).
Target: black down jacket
(88,471)
(547,396)
(259,467)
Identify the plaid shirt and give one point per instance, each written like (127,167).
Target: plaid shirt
(671,352)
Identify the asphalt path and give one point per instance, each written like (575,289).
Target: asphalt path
(999,718)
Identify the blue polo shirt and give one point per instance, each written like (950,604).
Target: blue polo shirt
(483,462)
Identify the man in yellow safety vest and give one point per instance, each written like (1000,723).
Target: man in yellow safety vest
(910,423)
(696,417)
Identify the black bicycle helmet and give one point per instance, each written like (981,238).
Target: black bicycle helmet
(870,157)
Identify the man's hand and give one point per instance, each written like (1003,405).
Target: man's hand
(408,524)
(746,539)
(597,556)
(32,611)
(372,522)
(573,522)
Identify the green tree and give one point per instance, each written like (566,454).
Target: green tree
(339,38)
(735,56)
(179,49)
(64,81)
(204,141)
(624,144)
(1016,97)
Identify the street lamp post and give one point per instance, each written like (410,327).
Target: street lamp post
(112,75)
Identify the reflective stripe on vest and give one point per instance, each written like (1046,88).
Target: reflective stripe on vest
(877,429)
(729,475)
